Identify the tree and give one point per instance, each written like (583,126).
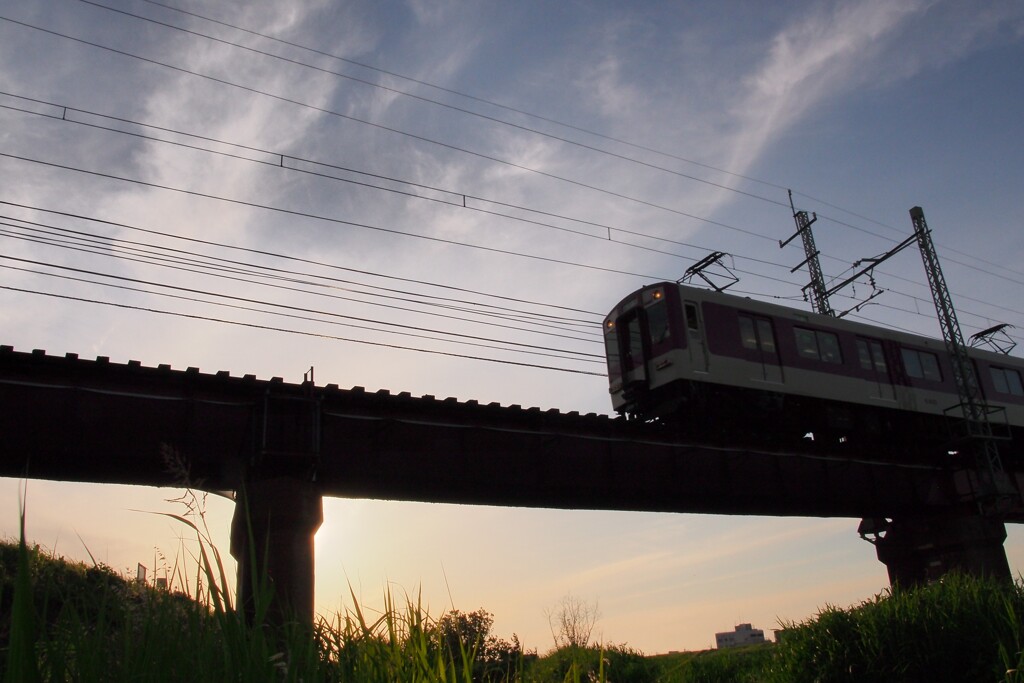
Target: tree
(572,621)
(464,633)
(468,635)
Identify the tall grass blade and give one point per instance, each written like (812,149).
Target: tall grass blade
(22,662)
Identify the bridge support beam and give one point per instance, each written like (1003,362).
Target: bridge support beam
(272,534)
(918,550)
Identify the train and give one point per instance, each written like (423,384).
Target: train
(718,366)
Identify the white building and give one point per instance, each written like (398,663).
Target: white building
(744,634)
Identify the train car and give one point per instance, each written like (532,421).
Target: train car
(726,367)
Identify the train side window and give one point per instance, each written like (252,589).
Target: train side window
(806,344)
(657,322)
(828,345)
(756,333)
(921,365)
(1007,381)
(747,333)
(878,356)
(864,355)
(870,355)
(692,321)
(817,345)
(930,365)
(764,333)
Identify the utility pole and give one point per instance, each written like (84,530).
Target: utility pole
(818,295)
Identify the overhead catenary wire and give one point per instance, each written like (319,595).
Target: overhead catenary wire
(330,219)
(630,273)
(347,222)
(438,103)
(397,131)
(299,313)
(288,162)
(521,127)
(307,261)
(66,109)
(323,110)
(224,321)
(564,262)
(165,255)
(109,249)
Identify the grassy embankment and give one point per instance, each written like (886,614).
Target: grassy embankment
(63,621)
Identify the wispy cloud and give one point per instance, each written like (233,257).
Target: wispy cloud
(808,62)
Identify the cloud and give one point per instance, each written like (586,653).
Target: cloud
(808,62)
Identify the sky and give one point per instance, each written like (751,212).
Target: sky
(506,172)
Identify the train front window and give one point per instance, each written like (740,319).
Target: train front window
(611,348)
(657,322)
(634,342)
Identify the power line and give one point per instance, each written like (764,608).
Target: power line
(438,103)
(340,221)
(174,262)
(282,157)
(337,221)
(421,138)
(390,129)
(193,316)
(287,162)
(561,355)
(521,127)
(465,95)
(295,259)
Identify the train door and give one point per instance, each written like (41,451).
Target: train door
(695,338)
(757,335)
(872,359)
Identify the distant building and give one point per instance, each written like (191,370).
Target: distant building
(744,634)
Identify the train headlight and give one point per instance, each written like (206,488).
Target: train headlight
(653,296)
(609,324)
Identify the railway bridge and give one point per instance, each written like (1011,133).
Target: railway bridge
(282,447)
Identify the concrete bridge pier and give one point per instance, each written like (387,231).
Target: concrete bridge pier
(272,534)
(918,550)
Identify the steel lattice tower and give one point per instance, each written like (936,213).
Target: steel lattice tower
(975,413)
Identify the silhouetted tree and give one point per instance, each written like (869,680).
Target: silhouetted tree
(468,635)
(572,621)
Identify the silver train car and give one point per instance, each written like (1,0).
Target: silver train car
(720,366)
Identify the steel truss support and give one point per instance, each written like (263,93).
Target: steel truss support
(818,295)
(994,485)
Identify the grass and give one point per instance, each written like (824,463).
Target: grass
(960,629)
(62,621)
